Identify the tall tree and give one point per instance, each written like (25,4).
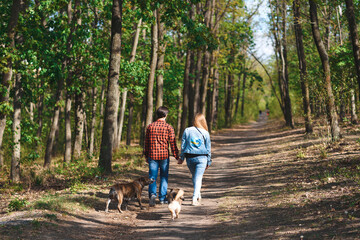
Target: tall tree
(59,91)
(302,67)
(330,99)
(15,161)
(160,61)
(353,29)
(112,95)
(7,74)
(206,61)
(153,63)
(68,102)
(125,93)
(79,123)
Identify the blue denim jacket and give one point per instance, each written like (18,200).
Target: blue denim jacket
(193,142)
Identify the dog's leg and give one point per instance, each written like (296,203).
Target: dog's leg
(177,211)
(126,203)
(107,205)
(120,199)
(173,214)
(138,196)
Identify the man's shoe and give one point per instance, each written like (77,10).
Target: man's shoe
(152,200)
(164,201)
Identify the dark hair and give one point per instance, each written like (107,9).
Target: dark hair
(162,112)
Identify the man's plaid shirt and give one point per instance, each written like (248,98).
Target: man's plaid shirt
(158,136)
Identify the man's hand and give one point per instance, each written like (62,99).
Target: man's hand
(146,160)
(180,161)
(207,166)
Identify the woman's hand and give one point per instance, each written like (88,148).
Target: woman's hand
(180,161)
(207,166)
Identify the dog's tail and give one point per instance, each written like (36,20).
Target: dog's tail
(179,195)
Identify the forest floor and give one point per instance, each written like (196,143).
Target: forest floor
(266,182)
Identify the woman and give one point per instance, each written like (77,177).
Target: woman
(196,148)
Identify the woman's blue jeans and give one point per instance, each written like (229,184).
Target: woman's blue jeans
(197,167)
(154,166)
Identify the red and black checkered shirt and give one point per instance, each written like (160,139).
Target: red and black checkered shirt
(158,136)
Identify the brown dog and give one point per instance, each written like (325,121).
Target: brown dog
(126,191)
(175,199)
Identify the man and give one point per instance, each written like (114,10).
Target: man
(159,135)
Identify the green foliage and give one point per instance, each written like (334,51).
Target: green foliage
(17,204)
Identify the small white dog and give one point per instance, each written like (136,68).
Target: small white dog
(175,199)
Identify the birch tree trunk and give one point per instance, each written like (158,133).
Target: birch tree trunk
(16,128)
(112,96)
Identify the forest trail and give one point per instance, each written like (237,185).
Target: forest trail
(225,174)
(255,189)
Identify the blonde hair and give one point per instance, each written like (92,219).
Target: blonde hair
(200,121)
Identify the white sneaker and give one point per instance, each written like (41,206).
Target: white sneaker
(195,203)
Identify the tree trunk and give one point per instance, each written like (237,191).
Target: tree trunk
(302,67)
(179,110)
(121,118)
(228,100)
(206,62)
(354,118)
(59,90)
(40,114)
(67,152)
(93,121)
(243,94)
(160,62)
(102,101)
(6,76)
(15,161)
(214,96)
(196,99)
(353,29)
(112,96)
(185,102)
(330,100)
(125,91)
(285,74)
(130,119)
(191,88)
(153,63)
(79,123)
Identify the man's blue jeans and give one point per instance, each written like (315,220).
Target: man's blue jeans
(154,166)
(197,167)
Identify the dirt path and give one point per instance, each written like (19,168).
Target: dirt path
(256,188)
(220,180)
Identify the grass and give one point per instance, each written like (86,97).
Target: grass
(61,187)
